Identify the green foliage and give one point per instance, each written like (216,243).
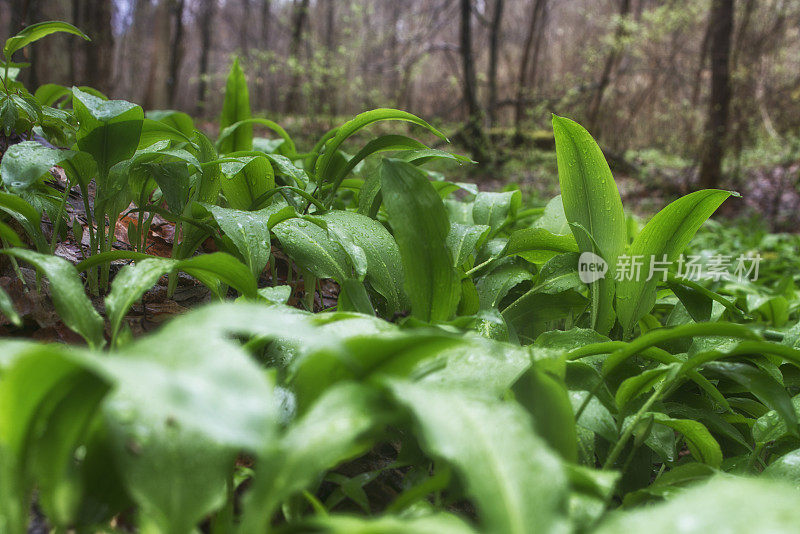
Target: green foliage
(467,366)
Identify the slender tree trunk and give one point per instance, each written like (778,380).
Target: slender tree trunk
(394,78)
(23,14)
(300,16)
(608,68)
(205,22)
(244,34)
(330,52)
(494,49)
(535,32)
(176,49)
(473,133)
(156,95)
(263,83)
(92,61)
(717,122)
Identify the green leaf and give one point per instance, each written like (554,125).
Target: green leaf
(463,239)
(724,504)
(384,265)
(129,285)
(249,231)
(438,523)
(109,129)
(494,209)
(765,388)
(24,163)
(538,245)
(518,485)
(236,108)
(591,200)
(663,238)
(7,308)
(420,226)
(323,167)
(34,32)
(69,298)
(334,429)
(226,133)
(246,179)
(379,144)
(46,400)
(26,216)
(547,400)
(493,287)
(701,443)
(312,248)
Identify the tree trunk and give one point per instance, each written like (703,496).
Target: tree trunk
(300,16)
(494,48)
(608,68)
(156,95)
(473,133)
(244,34)
(263,83)
(23,14)
(176,49)
(717,122)
(330,52)
(205,22)
(535,32)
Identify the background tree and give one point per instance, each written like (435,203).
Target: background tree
(719,102)
(474,136)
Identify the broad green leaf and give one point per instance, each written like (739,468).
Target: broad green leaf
(173,180)
(129,285)
(246,179)
(46,401)
(772,426)
(236,108)
(420,227)
(494,209)
(49,93)
(249,231)
(518,485)
(662,239)
(701,443)
(175,119)
(735,505)
(786,468)
(591,200)
(531,314)
(109,129)
(493,287)
(384,265)
(547,400)
(312,248)
(538,245)
(34,32)
(463,239)
(26,216)
(334,429)
(24,163)
(69,298)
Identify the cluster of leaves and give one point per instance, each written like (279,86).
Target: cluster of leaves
(513,397)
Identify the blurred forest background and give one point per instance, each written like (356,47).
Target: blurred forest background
(679,93)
